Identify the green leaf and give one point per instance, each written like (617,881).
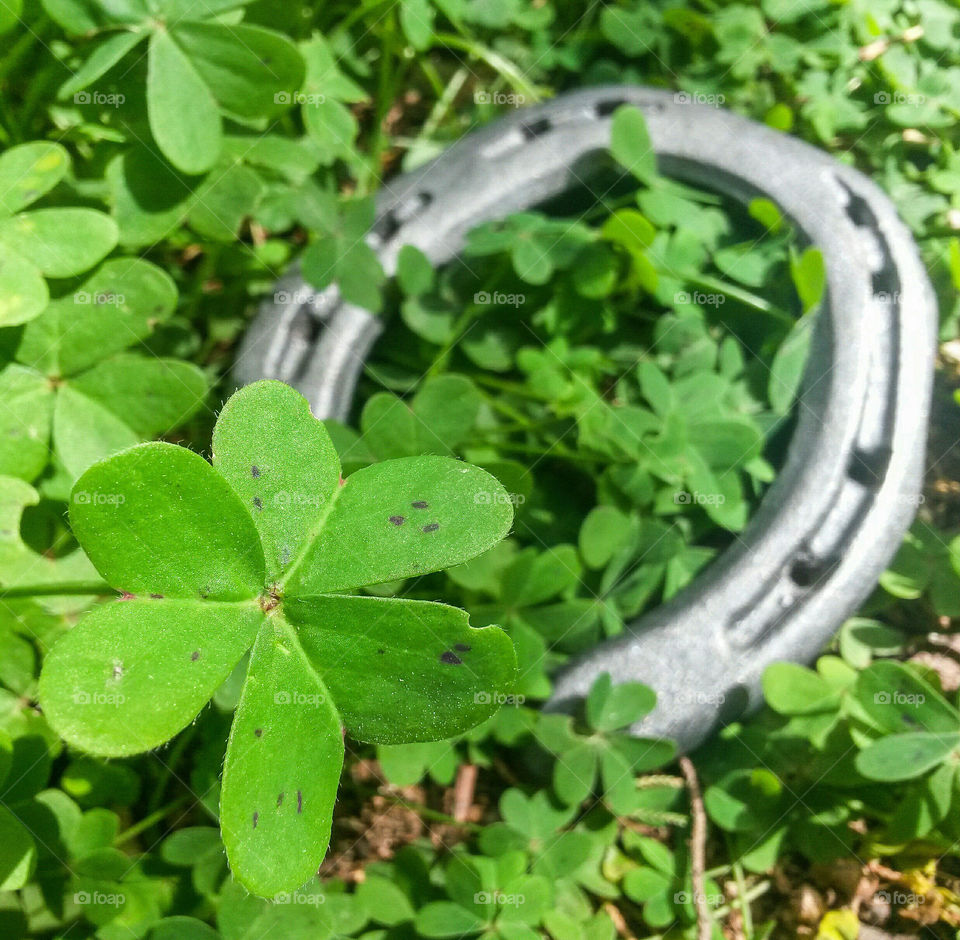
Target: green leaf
(745,801)
(791,689)
(604,532)
(630,143)
(414,271)
(151,395)
(103,58)
(60,242)
(282,768)
(416,21)
(150,198)
(10,15)
(905,756)
(407,764)
(18,853)
(399,519)
(182,928)
(403,670)
(280,461)
(610,706)
(84,431)
(133,673)
(222,202)
(23,291)
(25,422)
(786,371)
(27,171)
(190,137)
(897,700)
(251,72)
(19,564)
(384,900)
(809,276)
(447,919)
(158,519)
(114,307)
(435,421)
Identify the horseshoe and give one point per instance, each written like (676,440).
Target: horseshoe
(835,515)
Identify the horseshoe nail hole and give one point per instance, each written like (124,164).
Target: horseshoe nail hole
(869,467)
(806,570)
(606,108)
(391,221)
(535,129)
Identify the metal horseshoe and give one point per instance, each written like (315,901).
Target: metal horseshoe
(831,521)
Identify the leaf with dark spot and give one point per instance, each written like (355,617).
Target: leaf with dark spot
(402,693)
(302,741)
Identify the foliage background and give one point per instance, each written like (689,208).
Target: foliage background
(202,177)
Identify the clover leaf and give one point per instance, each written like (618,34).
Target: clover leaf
(257,550)
(221,67)
(75,387)
(50,242)
(604,752)
(20,564)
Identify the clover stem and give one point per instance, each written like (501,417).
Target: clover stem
(149,821)
(270,599)
(68,588)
